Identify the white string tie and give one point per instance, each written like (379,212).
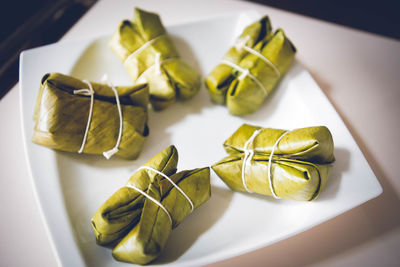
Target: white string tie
(152,199)
(262,57)
(108,154)
(248,155)
(245,72)
(172,182)
(241,44)
(143,47)
(90,92)
(271,187)
(157,64)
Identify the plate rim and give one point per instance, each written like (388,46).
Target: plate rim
(209,259)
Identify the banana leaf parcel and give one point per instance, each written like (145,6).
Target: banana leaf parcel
(313,144)
(148,238)
(150,56)
(251,69)
(133,224)
(68,118)
(116,217)
(285,164)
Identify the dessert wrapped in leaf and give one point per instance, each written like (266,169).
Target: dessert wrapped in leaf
(87,117)
(122,210)
(313,144)
(291,179)
(251,69)
(150,56)
(148,238)
(285,164)
(138,219)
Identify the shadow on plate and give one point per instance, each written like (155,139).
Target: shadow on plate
(186,234)
(340,166)
(97,60)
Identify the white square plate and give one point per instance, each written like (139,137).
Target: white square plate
(70,187)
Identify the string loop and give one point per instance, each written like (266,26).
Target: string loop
(172,182)
(244,73)
(108,154)
(263,58)
(156,201)
(248,155)
(90,92)
(143,47)
(156,66)
(241,45)
(152,199)
(271,187)
(242,42)
(157,57)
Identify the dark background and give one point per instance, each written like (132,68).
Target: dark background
(30,23)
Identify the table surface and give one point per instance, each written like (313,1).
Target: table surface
(358,72)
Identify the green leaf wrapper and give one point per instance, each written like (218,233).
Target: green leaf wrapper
(244,96)
(61,116)
(314,144)
(300,166)
(148,238)
(292,179)
(136,43)
(122,210)
(134,225)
